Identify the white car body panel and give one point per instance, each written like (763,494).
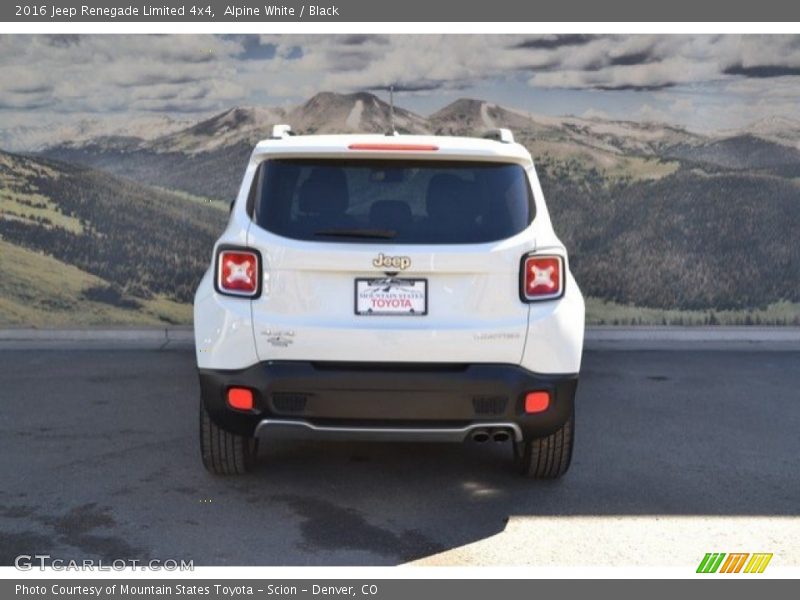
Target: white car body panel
(309,295)
(306,309)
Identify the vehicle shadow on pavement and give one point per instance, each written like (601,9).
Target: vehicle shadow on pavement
(116,472)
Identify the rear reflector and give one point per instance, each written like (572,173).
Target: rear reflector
(395,147)
(238,272)
(240,398)
(536,402)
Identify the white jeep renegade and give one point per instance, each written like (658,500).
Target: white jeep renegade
(389,287)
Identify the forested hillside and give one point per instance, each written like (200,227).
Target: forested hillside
(690,240)
(140,241)
(214,174)
(655,217)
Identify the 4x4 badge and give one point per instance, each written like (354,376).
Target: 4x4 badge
(395,262)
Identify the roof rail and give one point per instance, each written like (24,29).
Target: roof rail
(501,135)
(281,131)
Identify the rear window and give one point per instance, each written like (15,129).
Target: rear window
(405,201)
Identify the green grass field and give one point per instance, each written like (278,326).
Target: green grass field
(40,291)
(201,200)
(601,312)
(610,165)
(30,205)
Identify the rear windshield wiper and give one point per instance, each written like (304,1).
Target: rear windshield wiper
(384,234)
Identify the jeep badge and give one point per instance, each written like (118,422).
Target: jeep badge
(395,262)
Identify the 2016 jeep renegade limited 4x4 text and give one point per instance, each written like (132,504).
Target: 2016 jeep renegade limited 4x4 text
(389,287)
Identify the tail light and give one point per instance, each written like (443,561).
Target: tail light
(393,146)
(542,277)
(238,271)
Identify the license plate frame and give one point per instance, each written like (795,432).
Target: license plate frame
(363,284)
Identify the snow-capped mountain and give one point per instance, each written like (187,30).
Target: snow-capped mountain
(237,125)
(467,116)
(112,129)
(782,130)
(328,112)
(205,157)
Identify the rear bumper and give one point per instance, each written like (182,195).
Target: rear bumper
(397,401)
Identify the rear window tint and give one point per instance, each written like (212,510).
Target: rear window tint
(402,201)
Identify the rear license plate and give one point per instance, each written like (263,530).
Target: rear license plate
(390,296)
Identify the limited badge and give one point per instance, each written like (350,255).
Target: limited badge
(279,338)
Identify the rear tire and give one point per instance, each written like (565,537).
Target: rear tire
(547,457)
(225,453)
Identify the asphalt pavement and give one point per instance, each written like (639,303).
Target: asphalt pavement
(678,453)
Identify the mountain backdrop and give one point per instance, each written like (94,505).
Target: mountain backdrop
(664,225)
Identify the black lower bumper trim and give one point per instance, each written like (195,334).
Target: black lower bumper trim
(392,395)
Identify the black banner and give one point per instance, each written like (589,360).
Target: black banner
(377,589)
(255,11)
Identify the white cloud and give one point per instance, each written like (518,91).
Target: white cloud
(190,73)
(683,105)
(648,112)
(108,73)
(595,113)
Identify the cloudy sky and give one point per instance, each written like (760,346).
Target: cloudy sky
(702,82)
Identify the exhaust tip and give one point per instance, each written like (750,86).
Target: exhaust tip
(480,437)
(501,436)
